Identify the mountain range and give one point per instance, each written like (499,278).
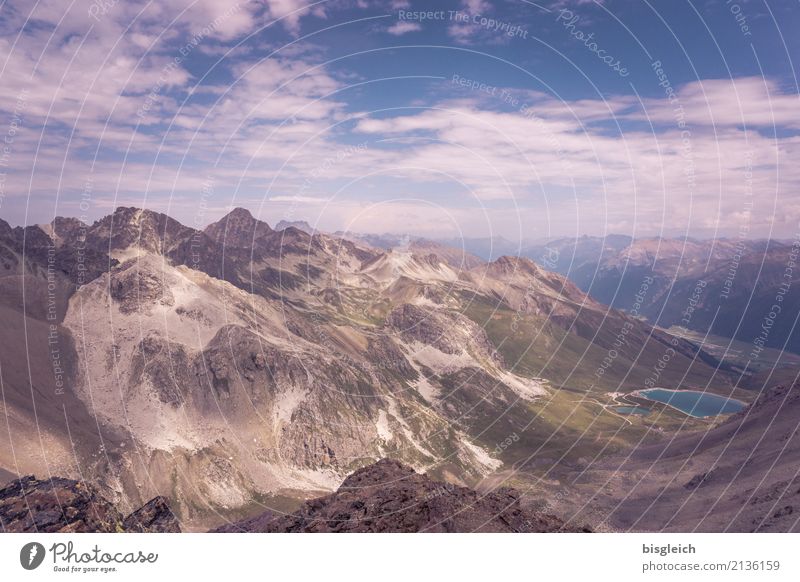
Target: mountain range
(241,367)
(731,285)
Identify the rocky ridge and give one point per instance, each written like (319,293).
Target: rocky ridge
(58,505)
(390,497)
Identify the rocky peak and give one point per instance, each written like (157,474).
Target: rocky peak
(66,229)
(134,227)
(153,516)
(508,265)
(385,470)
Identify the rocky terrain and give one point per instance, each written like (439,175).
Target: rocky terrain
(390,497)
(385,497)
(60,505)
(241,367)
(740,475)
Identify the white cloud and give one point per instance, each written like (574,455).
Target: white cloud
(746,101)
(465,30)
(290,11)
(403,27)
(279,128)
(476,6)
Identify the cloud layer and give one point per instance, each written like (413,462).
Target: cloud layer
(149,104)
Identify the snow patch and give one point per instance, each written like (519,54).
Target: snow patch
(438,361)
(407,432)
(427,390)
(286,401)
(382,426)
(524,387)
(480,455)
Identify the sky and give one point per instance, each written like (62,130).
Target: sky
(472,118)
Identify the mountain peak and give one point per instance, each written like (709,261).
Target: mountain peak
(238,228)
(509,264)
(239,213)
(129,227)
(5,228)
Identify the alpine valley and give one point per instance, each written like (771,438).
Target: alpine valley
(241,369)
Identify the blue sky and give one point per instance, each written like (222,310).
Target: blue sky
(465,118)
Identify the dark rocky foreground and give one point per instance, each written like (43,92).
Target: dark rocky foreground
(65,506)
(390,497)
(384,497)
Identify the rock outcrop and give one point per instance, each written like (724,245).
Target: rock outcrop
(153,516)
(59,505)
(388,496)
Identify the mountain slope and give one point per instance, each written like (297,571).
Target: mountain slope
(721,286)
(738,476)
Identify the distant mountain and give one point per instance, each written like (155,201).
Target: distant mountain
(388,497)
(730,285)
(476,248)
(298,224)
(487,248)
(457,257)
(575,257)
(739,300)
(238,229)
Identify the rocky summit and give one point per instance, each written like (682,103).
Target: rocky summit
(390,497)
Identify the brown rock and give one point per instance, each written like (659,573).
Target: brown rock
(65,506)
(390,497)
(56,505)
(153,516)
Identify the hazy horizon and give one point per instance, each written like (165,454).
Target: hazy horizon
(274,221)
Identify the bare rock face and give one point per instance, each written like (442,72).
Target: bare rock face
(390,497)
(136,289)
(238,229)
(254,524)
(65,506)
(145,229)
(38,273)
(446,331)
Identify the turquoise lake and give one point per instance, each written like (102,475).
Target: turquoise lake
(693,403)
